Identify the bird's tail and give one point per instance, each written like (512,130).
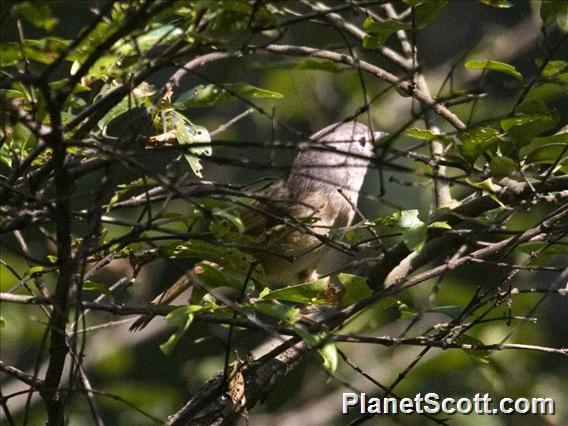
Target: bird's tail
(182,284)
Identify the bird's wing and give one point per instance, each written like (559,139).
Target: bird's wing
(265,213)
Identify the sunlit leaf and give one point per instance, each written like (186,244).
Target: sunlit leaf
(414,230)
(156,34)
(211,94)
(310,292)
(378,32)
(476,141)
(409,219)
(488,187)
(501,4)
(44,51)
(552,67)
(136,185)
(232,259)
(37,13)
(415,238)
(35,270)
(188,133)
(96,288)
(136,98)
(215,277)
(356,288)
(428,135)
(329,354)
(405,311)
(286,313)
(554,12)
(301,65)
(495,66)
(389,220)
(232,218)
(311,339)
(439,225)
(181,318)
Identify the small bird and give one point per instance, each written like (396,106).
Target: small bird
(318,195)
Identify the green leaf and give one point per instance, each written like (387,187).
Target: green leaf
(521,120)
(429,136)
(524,127)
(138,97)
(329,354)
(452,311)
(2,322)
(37,13)
(501,4)
(136,186)
(502,167)
(310,292)
(439,225)
(356,288)
(476,141)
(96,287)
(232,218)
(301,65)
(531,247)
(554,12)
(480,355)
(415,231)
(426,11)
(36,270)
(488,187)
(409,219)
(215,277)
(182,318)
(378,32)
(405,311)
(230,258)
(162,33)
(44,51)
(211,94)
(415,238)
(286,313)
(311,339)
(188,133)
(389,220)
(18,144)
(552,68)
(495,66)
(547,92)
(546,149)
(550,154)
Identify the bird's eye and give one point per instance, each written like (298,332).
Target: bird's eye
(362,141)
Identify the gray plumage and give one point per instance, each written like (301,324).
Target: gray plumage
(321,189)
(316,197)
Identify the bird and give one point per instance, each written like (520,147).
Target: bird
(319,194)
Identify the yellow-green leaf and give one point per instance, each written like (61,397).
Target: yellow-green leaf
(495,66)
